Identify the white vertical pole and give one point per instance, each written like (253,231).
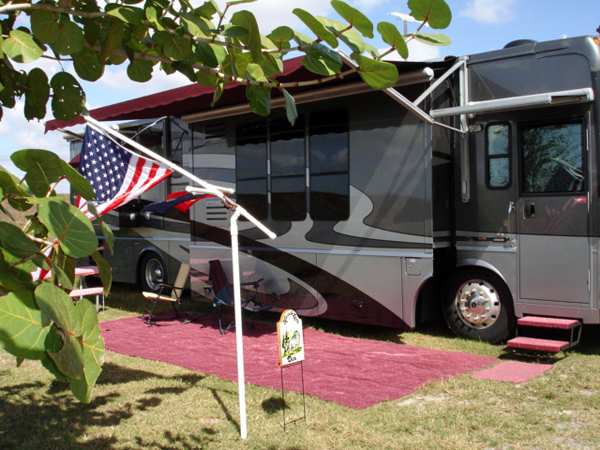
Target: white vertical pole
(239,343)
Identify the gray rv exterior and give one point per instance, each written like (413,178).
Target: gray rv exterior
(484,208)
(366,267)
(527,232)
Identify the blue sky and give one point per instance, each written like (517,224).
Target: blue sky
(477,26)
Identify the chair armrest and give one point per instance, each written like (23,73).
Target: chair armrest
(252,283)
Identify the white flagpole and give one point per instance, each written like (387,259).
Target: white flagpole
(239,343)
(237,212)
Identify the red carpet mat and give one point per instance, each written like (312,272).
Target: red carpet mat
(513,371)
(354,372)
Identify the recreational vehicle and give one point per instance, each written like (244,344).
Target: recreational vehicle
(469,190)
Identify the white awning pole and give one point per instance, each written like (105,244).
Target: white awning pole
(239,343)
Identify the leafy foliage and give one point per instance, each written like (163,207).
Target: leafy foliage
(196,41)
(38,319)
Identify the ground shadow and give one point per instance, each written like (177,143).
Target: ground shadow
(56,417)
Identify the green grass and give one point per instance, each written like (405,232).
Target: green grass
(140,404)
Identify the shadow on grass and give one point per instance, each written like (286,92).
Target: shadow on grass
(37,419)
(55,421)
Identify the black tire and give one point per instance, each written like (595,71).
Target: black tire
(478,306)
(153,271)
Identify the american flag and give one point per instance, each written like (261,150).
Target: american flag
(116,175)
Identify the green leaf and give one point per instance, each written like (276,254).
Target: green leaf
(316,27)
(14,274)
(433,39)
(87,65)
(206,79)
(113,41)
(44,168)
(93,352)
(208,9)
(9,184)
(255,72)
(271,65)
(196,25)
(436,13)
(105,271)
(219,89)
(68,100)
(233,31)
(44,26)
(21,331)
(350,37)
(140,70)
(153,16)
(176,48)
(354,17)
(290,107)
(69,225)
(126,14)
(377,74)
(260,99)
(21,47)
(281,37)
(37,95)
(57,307)
(71,38)
(246,20)
(78,182)
(392,36)
(53,344)
(16,242)
(322,60)
(206,53)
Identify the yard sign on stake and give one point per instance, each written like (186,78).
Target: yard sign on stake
(290,339)
(237,212)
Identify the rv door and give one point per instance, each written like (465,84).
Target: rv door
(552,212)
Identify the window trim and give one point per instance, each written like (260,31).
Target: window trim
(508,155)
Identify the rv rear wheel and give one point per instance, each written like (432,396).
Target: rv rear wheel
(478,306)
(153,271)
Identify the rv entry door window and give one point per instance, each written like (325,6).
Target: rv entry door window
(553,158)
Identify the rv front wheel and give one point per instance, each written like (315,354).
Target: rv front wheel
(478,306)
(152,271)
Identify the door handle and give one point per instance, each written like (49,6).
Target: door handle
(529,210)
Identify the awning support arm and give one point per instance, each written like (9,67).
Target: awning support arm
(397,96)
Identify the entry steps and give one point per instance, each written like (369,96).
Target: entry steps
(533,334)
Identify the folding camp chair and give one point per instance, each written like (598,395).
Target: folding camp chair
(173,297)
(222,292)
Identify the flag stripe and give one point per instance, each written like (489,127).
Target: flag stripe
(116,175)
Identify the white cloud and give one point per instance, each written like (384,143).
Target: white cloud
(417,51)
(490,11)
(273,13)
(16,133)
(115,86)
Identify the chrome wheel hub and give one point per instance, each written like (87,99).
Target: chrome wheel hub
(478,304)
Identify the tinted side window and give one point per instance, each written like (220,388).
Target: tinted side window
(251,168)
(329,172)
(553,159)
(288,170)
(498,156)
